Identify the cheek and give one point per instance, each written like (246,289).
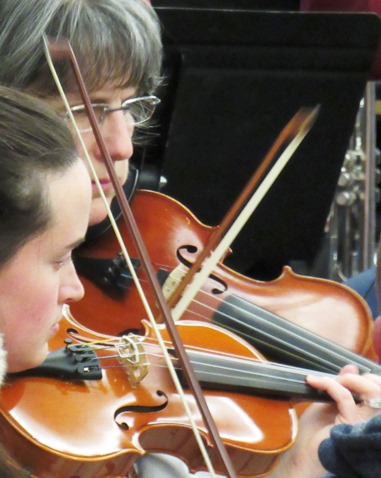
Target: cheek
(98,211)
(28,315)
(89,143)
(26,325)
(121,168)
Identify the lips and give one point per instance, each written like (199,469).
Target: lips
(54,329)
(106,185)
(56,325)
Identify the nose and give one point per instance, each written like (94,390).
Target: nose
(71,289)
(117,135)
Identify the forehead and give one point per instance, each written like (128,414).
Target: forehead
(112,92)
(70,198)
(109,93)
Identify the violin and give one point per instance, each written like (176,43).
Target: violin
(99,402)
(293,319)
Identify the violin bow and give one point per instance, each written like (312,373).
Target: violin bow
(62,48)
(279,154)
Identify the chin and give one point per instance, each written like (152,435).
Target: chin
(98,211)
(25,363)
(97,217)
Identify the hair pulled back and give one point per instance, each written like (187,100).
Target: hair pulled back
(34,144)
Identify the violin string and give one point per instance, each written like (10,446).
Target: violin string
(249,376)
(235,320)
(238,359)
(262,365)
(269,335)
(113,342)
(312,357)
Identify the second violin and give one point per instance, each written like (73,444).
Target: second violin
(284,318)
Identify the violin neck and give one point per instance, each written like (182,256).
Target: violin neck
(252,377)
(285,341)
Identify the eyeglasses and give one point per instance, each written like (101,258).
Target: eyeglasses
(136,111)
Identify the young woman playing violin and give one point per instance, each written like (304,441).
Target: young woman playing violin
(41,182)
(118,46)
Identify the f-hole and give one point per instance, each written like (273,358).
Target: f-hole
(184,255)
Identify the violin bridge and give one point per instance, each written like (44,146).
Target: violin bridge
(172,281)
(133,358)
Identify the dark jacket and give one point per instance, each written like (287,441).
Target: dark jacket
(353,451)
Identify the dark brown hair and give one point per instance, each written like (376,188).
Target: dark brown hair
(34,143)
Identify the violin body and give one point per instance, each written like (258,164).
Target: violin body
(97,428)
(173,237)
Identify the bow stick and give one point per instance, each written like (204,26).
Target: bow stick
(285,145)
(63,49)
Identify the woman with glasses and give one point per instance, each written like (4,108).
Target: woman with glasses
(118,46)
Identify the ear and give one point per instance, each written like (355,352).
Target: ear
(377,337)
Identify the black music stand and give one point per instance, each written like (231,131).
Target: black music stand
(234,79)
(231,4)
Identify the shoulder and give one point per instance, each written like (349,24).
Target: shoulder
(364,283)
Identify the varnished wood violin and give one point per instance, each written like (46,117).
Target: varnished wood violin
(99,402)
